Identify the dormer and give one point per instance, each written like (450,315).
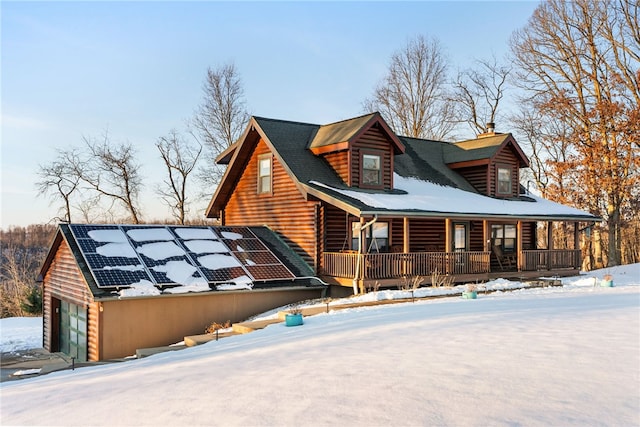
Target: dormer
(361,151)
(490,163)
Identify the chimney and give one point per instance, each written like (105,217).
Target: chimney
(491,130)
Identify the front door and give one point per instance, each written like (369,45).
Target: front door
(73,330)
(460,245)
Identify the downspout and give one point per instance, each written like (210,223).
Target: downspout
(362,229)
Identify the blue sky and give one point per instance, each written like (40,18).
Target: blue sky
(77,68)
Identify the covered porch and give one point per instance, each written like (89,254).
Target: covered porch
(386,251)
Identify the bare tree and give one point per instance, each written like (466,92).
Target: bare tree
(412,96)
(477,93)
(112,171)
(58,180)
(180,159)
(578,63)
(220,119)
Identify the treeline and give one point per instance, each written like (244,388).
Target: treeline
(22,253)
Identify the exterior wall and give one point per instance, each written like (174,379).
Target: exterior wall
(476,176)
(284,210)
(375,141)
(339,162)
(427,235)
(130,324)
(504,157)
(63,281)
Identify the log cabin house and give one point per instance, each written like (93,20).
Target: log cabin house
(362,205)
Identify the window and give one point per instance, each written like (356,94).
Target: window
(504,236)
(504,180)
(460,237)
(371,170)
(380,240)
(264,174)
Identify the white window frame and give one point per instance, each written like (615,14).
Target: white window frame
(265,180)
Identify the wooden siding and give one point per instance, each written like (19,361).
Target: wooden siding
(336,226)
(426,235)
(63,281)
(476,176)
(373,140)
(284,210)
(505,157)
(339,162)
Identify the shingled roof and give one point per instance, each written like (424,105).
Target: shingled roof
(293,144)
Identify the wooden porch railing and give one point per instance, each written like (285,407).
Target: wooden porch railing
(537,260)
(394,265)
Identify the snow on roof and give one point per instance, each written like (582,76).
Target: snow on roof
(196,233)
(117,250)
(150,234)
(115,236)
(161,250)
(206,246)
(143,287)
(430,197)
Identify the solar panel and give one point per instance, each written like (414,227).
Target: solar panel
(123,255)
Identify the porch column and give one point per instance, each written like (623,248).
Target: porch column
(576,235)
(520,257)
(549,243)
(405,235)
(447,235)
(486,236)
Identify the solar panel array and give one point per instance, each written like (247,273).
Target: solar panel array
(123,255)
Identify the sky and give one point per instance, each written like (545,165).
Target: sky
(559,356)
(135,69)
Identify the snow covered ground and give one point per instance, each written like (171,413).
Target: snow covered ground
(565,356)
(20,333)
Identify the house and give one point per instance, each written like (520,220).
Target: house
(362,205)
(111,289)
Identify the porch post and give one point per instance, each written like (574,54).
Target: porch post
(447,242)
(405,235)
(577,259)
(486,237)
(519,259)
(549,243)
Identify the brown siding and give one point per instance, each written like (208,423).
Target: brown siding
(130,324)
(339,161)
(505,157)
(375,140)
(476,240)
(426,235)
(476,176)
(337,231)
(528,235)
(62,281)
(285,210)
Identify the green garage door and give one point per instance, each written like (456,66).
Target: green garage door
(73,330)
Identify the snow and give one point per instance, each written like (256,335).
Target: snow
(231,235)
(196,233)
(218,261)
(117,250)
(565,356)
(136,267)
(142,288)
(241,282)
(19,333)
(195,286)
(427,196)
(206,246)
(181,272)
(114,236)
(161,250)
(150,234)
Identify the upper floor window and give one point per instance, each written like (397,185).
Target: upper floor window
(504,180)
(371,172)
(264,174)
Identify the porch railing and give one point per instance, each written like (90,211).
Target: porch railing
(393,265)
(555,259)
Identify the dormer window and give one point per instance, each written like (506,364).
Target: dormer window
(371,171)
(264,174)
(504,180)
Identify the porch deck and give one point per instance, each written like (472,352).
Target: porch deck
(388,268)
